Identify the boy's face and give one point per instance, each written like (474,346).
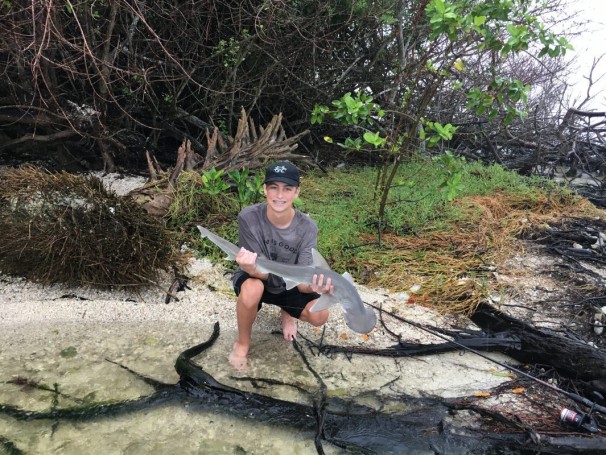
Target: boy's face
(280,196)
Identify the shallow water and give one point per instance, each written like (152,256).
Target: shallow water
(73,356)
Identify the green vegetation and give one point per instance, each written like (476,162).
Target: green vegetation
(342,200)
(216,198)
(445,245)
(443,241)
(505,28)
(208,193)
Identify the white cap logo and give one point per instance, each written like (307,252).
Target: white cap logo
(280,169)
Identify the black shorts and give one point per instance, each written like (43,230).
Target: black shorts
(292,301)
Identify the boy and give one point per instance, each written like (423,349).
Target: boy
(281,233)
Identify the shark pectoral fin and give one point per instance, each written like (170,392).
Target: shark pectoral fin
(290,283)
(325,302)
(319,260)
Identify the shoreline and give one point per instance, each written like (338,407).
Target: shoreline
(210,299)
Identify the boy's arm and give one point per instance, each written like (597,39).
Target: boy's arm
(310,241)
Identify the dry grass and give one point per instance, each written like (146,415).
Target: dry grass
(454,267)
(66,228)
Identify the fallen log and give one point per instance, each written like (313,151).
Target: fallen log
(571,358)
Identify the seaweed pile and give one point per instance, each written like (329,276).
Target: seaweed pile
(67,228)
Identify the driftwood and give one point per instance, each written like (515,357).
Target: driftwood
(572,358)
(501,333)
(250,147)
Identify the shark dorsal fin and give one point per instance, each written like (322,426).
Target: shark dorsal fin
(319,261)
(348,277)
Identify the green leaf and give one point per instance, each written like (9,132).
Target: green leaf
(375,139)
(479,20)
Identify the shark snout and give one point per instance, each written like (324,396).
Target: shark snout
(363,322)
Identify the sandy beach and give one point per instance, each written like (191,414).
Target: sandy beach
(27,309)
(74,337)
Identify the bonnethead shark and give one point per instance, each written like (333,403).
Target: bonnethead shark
(359,318)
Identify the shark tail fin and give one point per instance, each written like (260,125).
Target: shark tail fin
(203,231)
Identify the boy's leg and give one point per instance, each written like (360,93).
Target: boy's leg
(247,306)
(316,319)
(295,305)
(289,326)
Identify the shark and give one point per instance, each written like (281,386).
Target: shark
(358,317)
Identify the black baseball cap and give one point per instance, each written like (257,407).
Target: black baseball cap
(282,171)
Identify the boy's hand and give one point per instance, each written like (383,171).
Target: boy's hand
(247,260)
(318,286)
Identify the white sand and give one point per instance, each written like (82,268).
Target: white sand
(60,335)
(27,309)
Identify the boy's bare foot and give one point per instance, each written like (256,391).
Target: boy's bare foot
(289,326)
(237,357)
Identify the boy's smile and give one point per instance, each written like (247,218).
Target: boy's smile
(280,196)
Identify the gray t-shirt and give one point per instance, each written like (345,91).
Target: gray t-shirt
(291,245)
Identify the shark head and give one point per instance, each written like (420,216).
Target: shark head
(362,323)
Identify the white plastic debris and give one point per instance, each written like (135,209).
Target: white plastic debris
(598,323)
(495,298)
(599,244)
(402,296)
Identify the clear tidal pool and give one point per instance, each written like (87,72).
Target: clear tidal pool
(75,361)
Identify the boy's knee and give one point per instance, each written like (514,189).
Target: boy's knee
(252,285)
(250,292)
(316,319)
(320,319)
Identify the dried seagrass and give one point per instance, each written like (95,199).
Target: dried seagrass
(66,228)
